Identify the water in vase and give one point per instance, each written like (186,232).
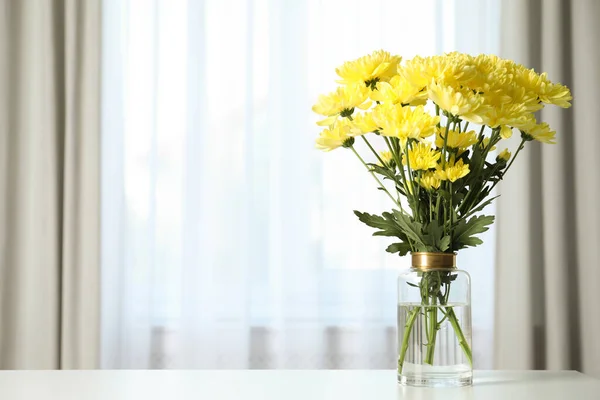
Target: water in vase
(433,355)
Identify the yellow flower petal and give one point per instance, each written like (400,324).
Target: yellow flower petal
(344,99)
(505,132)
(342,133)
(404,122)
(541,133)
(378,66)
(422,157)
(327,121)
(456,140)
(504,155)
(430,181)
(453,172)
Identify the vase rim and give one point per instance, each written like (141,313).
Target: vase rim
(430,260)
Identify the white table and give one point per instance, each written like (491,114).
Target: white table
(285,385)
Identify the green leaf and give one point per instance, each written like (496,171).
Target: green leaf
(465,231)
(433,234)
(400,189)
(412,229)
(445,194)
(384,171)
(457,198)
(401,248)
(386,224)
(444,243)
(434,237)
(374,221)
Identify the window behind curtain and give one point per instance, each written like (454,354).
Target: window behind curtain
(228,240)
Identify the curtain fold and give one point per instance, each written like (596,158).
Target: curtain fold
(49,183)
(548,258)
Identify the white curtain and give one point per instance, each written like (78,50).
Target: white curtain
(228,240)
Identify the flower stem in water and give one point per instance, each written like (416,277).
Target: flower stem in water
(462,341)
(407,331)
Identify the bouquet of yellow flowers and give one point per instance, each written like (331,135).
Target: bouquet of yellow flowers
(438,121)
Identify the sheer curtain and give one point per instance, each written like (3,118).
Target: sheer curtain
(228,240)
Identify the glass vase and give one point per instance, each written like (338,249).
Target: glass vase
(434,323)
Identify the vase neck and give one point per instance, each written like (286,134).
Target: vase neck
(425,260)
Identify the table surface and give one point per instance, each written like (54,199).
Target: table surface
(289,385)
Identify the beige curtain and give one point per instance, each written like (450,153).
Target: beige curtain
(548,259)
(49,183)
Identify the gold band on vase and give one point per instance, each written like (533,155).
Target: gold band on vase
(425,261)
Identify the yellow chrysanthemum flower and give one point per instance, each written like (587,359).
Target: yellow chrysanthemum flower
(429,181)
(364,122)
(541,133)
(399,90)
(456,140)
(504,155)
(556,94)
(405,122)
(495,97)
(546,91)
(341,134)
(421,157)
(516,115)
(387,157)
(521,97)
(342,102)
(453,69)
(372,68)
(452,172)
(464,103)
(488,70)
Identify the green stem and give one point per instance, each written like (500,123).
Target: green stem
(445,210)
(445,144)
(462,341)
(373,150)
(430,290)
(418,193)
(397,160)
(451,212)
(395,152)
(472,209)
(467,210)
(453,319)
(375,177)
(443,319)
(433,328)
(464,202)
(430,207)
(437,208)
(463,208)
(521,147)
(480,136)
(400,168)
(410,175)
(407,331)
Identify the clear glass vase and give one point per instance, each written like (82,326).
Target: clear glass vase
(434,323)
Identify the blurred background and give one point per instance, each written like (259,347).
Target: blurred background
(163,205)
